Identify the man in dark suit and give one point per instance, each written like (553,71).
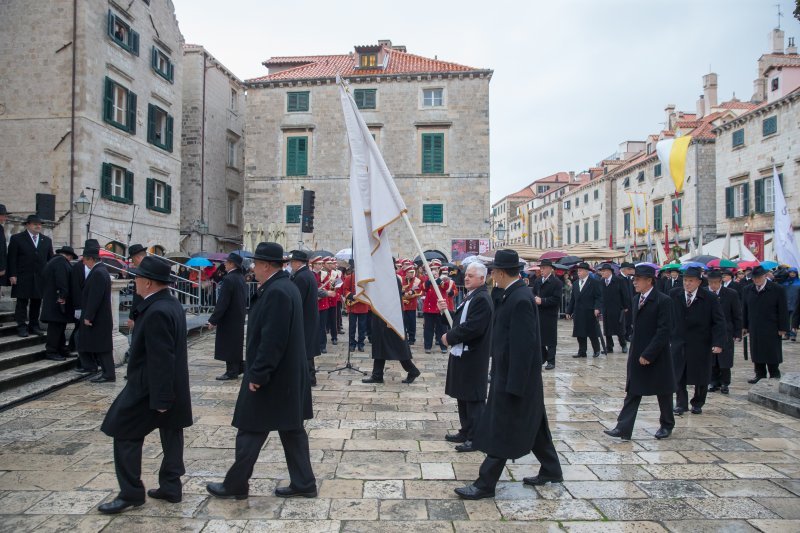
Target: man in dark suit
(468,365)
(729,283)
(136,253)
(156,394)
(547,290)
(95,343)
(698,332)
(616,304)
(671,281)
(650,369)
(28,253)
(3,246)
(765,317)
(306,283)
(626,272)
(275,394)
(57,309)
(732,311)
(228,317)
(77,280)
(514,422)
(584,307)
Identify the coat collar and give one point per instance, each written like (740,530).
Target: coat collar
(160,295)
(472,295)
(514,286)
(278,275)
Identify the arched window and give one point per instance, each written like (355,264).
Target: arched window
(116,247)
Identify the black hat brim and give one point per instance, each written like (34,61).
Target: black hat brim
(141,273)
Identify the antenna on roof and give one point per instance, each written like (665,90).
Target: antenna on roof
(780,14)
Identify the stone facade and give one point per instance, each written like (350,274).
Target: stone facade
(583,219)
(37,141)
(212,152)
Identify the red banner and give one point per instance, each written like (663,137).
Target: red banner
(754,241)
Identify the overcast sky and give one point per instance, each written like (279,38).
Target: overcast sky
(572,78)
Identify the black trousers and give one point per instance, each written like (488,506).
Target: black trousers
(56,343)
(682,395)
(434,325)
(323,330)
(549,353)
(333,325)
(492,467)
(469,413)
(234,368)
(357,327)
(761,369)
(610,341)
(410,323)
(248,447)
(128,466)
(582,345)
(379,364)
(27,310)
(627,416)
(719,375)
(312,370)
(339,315)
(90,360)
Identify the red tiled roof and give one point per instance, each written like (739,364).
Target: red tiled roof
(328,66)
(736,104)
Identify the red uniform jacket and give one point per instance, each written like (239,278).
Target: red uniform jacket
(348,288)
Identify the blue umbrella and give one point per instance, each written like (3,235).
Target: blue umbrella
(689,264)
(769,265)
(199,262)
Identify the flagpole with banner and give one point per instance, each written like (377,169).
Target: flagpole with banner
(783,238)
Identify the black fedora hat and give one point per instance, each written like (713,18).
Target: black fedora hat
(91,243)
(627,264)
(693,272)
(644,271)
(606,266)
(545,263)
(67,250)
(3,210)
(135,249)
(714,274)
(234,258)
(505,258)
(91,251)
(33,219)
(759,271)
(153,267)
(298,255)
(584,265)
(269,251)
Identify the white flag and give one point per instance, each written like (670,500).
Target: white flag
(662,257)
(375,203)
(783,239)
(726,248)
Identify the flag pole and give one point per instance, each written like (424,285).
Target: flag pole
(426,265)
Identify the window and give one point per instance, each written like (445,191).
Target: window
(119,106)
(365,98)
(542,188)
(596,194)
(738,137)
(775,84)
(677,213)
(640,176)
(368,60)
(626,222)
(657,170)
(569,236)
(297,156)
(567,204)
(433,97)
(765,194)
(626,182)
(585,231)
(577,201)
(122,34)
(596,229)
(737,200)
(234,105)
(293,214)
(116,184)
(159,127)
(162,65)
(769,125)
(297,101)
(433,153)
(232,152)
(577,233)
(233,209)
(159,196)
(432,213)
(658,216)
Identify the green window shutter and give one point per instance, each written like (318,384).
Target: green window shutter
(728,202)
(427,153)
(150,200)
(105,181)
(432,213)
(170,122)
(151,123)
(432,153)
(133,42)
(302,156)
(168,198)
(769,125)
(738,137)
(657,170)
(293,214)
(108,101)
(154,58)
(746,199)
(657,217)
(131,112)
(111,24)
(759,196)
(297,156)
(170,72)
(128,187)
(291,156)
(297,101)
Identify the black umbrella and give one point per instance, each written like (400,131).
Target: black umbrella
(320,253)
(570,260)
(705,259)
(430,255)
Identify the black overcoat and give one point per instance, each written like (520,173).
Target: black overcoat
(515,406)
(628,283)
(735,285)
(695,330)
(3,255)
(582,305)
(276,360)
(77,279)
(386,343)
(667,284)
(764,314)
(158,373)
(467,375)
(96,301)
(307,285)
(228,316)
(26,263)
(550,292)
(652,326)
(616,301)
(56,278)
(732,311)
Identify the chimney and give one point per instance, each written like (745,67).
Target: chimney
(385,42)
(710,90)
(791,48)
(759,90)
(701,107)
(776,41)
(670,112)
(571,176)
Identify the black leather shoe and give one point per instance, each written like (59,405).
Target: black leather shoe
(696,410)
(334,342)
(541,480)
(596,354)
(55,357)
(549,366)
(679,411)
(775,376)
(102,379)
(22,331)
(471,492)
(713,388)
(225,377)
(219,490)
(324,350)
(117,506)
(724,389)
(466,447)
(84,371)
(609,349)
(458,437)
(616,432)
(158,494)
(411,377)
(755,379)
(663,433)
(624,349)
(372,379)
(291,492)
(576,356)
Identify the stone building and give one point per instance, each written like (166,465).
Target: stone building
(506,210)
(429,117)
(212,153)
(87,106)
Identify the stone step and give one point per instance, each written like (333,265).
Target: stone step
(767,393)
(42,385)
(8,328)
(21,356)
(18,375)
(12,342)
(790,384)
(6,316)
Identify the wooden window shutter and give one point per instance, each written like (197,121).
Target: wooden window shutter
(131,112)
(154,58)
(128,187)
(151,193)
(728,202)
(151,123)
(105,181)
(111,24)
(168,198)
(302,156)
(133,42)
(108,101)
(171,72)
(168,144)
(745,199)
(759,196)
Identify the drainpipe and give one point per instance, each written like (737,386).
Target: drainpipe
(203,155)
(72,120)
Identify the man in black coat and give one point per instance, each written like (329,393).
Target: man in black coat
(671,281)
(547,290)
(698,332)
(136,253)
(77,280)
(470,343)
(275,394)
(57,309)
(228,317)
(28,253)
(95,343)
(3,246)
(729,283)
(732,311)
(306,283)
(650,369)
(765,317)
(514,421)
(626,272)
(616,304)
(584,307)
(156,394)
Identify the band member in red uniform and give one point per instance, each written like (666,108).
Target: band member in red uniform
(324,301)
(357,312)
(412,290)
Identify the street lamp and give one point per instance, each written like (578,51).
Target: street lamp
(82,204)
(500,232)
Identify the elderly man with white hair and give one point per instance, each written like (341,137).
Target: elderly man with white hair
(469,342)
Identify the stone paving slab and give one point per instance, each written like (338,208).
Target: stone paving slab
(382,463)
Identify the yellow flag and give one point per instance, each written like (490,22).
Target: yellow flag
(672,154)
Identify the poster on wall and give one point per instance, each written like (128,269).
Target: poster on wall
(754,241)
(462,248)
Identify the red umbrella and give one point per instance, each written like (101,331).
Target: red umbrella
(554,255)
(748,264)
